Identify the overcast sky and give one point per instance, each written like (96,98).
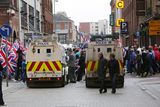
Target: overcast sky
(85,10)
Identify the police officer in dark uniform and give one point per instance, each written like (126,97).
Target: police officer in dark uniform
(1,94)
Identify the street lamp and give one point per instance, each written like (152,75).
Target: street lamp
(54,12)
(11,13)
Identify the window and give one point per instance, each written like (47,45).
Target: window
(58,26)
(48,50)
(38,50)
(109,50)
(99,49)
(31,18)
(24,14)
(37,21)
(66,26)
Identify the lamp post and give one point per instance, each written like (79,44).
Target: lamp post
(11,13)
(54,12)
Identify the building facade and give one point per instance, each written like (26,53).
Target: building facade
(30,23)
(65,29)
(138,14)
(47,16)
(93,28)
(103,27)
(10,15)
(100,27)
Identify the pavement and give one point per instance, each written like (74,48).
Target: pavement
(13,86)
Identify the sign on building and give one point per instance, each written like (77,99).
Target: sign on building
(118,22)
(154,27)
(120,4)
(124,27)
(112,20)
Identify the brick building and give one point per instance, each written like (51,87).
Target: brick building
(47,17)
(133,13)
(10,15)
(64,28)
(138,14)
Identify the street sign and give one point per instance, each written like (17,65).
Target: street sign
(112,20)
(124,28)
(6,30)
(118,22)
(154,27)
(120,4)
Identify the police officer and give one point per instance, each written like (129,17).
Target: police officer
(1,94)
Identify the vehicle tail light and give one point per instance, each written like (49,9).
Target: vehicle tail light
(58,78)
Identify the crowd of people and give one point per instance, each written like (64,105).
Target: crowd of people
(142,61)
(76,64)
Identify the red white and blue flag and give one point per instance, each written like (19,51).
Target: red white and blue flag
(12,55)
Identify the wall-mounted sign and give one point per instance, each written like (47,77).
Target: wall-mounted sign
(120,4)
(124,28)
(154,27)
(118,22)
(112,20)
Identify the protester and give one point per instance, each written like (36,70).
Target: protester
(71,62)
(132,60)
(114,70)
(19,64)
(102,67)
(139,63)
(81,64)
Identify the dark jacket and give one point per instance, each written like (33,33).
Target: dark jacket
(113,66)
(102,67)
(1,70)
(72,60)
(81,62)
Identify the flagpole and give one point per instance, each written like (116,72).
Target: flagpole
(7,76)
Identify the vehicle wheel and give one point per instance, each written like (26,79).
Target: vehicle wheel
(28,84)
(121,85)
(87,86)
(64,81)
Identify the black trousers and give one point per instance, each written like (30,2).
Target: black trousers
(71,74)
(1,94)
(113,79)
(18,72)
(102,85)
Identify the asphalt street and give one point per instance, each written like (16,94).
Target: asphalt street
(137,92)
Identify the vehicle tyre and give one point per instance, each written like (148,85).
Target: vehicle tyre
(87,86)
(121,85)
(28,84)
(63,81)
